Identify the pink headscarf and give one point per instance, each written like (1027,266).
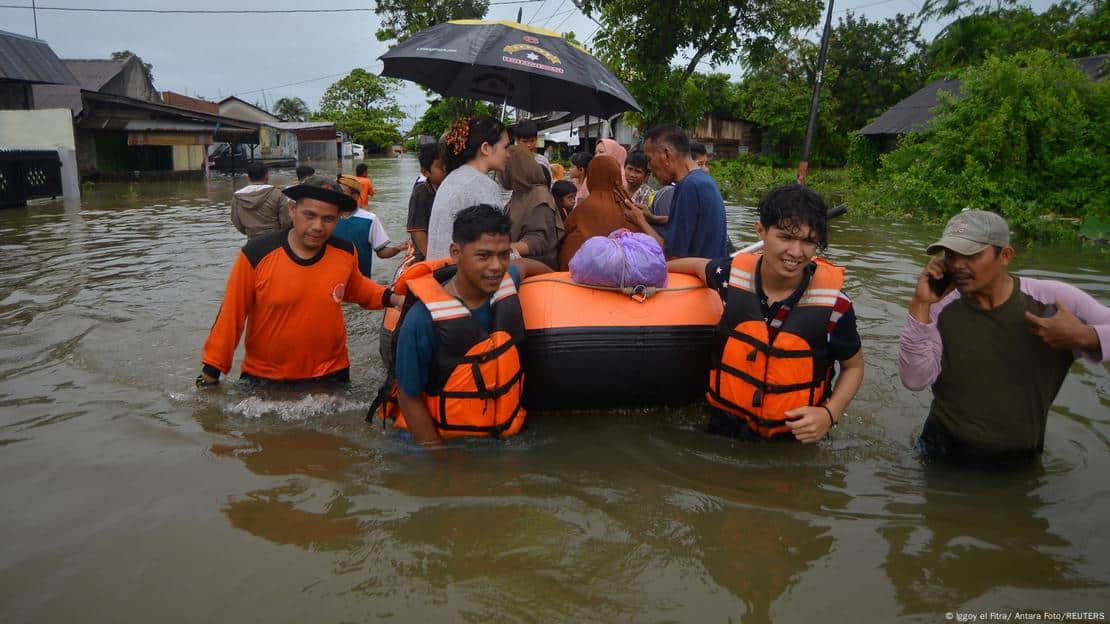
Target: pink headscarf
(614,149)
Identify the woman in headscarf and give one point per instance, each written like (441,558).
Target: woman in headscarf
(609,147)
(537,224)
(600,213)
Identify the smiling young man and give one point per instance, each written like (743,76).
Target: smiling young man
(287,287)
(457,368)
(786,324)
(995,347)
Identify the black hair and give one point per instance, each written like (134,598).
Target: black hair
(429,154)
(581,159)
(471,223)
(256,171)
(562,188)
(637,159)
(360,169)
(672,135)
(791,206)
(697,149)
(480,130)
(526,129)
(303,171)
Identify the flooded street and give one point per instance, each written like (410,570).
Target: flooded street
(128,495)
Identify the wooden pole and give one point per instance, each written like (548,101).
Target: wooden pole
(803,164)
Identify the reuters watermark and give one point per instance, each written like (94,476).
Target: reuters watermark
(1025,616)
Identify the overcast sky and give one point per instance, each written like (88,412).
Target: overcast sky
(252,56)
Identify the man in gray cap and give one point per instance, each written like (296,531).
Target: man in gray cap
(995,347)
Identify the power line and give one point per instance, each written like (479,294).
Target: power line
(217,11)
(536,14)
(292,84)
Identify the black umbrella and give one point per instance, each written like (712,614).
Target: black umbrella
(530,68)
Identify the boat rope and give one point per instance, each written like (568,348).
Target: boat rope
(638,293)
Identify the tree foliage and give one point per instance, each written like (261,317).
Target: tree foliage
(291,109)
(362,105)
(1027,138)
(358,90)
(877,63)
(643,40)
(443,112)
(401,19)
(1072,28)
(148,69)
(777,96)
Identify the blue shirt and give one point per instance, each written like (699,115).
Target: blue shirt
(357,231)
(418,342)
(697,225)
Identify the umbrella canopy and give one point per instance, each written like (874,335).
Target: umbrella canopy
(530,68)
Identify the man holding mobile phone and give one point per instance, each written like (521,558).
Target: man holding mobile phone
(995,347)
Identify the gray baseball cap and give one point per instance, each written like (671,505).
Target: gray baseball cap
(971,231)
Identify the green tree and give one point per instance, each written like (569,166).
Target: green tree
(362,105)
(148,69)
(444,111)
(291,109)
(401,19)
(777,95)
(1072,28)
(878,64)
(1027,138)
(642,39)
(358,90)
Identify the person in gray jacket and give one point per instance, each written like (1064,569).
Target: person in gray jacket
(259,207)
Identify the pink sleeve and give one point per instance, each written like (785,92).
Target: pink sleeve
(921,348)
(1081,304)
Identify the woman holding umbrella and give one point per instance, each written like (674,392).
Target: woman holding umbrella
(474,148)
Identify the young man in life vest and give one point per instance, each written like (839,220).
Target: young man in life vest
(290,284)
(994,347)
(457,365)
(786,324)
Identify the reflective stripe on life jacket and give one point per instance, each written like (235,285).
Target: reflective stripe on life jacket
(758,379)
(476,380)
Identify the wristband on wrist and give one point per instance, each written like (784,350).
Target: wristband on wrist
(832,422)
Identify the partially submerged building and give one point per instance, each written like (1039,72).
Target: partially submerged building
(37,147)
(124,129)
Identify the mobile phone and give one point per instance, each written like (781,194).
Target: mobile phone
(940,286)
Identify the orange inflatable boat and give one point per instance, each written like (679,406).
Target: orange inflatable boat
(590,347)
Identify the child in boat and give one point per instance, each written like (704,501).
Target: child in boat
(787,320)
(635,175)
(564,192)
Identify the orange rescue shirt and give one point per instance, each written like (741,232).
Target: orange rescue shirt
(291,308)
(366,192)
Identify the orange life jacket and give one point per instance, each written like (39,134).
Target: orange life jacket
(476,380)
(758,379)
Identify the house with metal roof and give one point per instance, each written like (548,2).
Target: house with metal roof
(914,113)
(124,130)
(24,63)
(37,150)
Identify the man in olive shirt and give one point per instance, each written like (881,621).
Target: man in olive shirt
(995,347)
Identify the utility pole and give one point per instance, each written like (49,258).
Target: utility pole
(35,13)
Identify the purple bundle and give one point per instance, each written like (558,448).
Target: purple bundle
(623,258)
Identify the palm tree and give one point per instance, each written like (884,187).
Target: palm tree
(291,109)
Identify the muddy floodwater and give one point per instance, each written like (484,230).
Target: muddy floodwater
(126,495)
